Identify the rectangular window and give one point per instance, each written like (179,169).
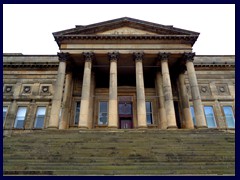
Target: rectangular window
(149,112)
(230,120)
(103,113)
(4,113)
(77,111)
(40,115)
(210,116)
(193,115)
(20,118)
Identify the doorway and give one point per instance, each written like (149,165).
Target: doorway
(125,115)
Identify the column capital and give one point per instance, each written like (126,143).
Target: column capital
(188,56)
(163,56)
(62,56)
(138,56)
(88,56)
(113,56)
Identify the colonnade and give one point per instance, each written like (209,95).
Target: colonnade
(163,87)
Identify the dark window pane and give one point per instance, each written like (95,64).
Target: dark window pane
(149,118)
(40,115)
(19,124)
(148,107)
(193,115)
(77,112)
(125,108)
(103,106)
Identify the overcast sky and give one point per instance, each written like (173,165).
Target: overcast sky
(28,29)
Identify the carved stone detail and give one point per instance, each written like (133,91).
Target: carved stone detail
(113,56)
(45,89)
(63,56)
(163,56)
(138,56)
(204,89)
(88,56)
(8,89)
(188,56)
(222,89)
(26,89)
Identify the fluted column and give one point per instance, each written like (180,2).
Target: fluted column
(85,98)
(64,123)
(113,103)
(167,90)
(162,111)
(188,122)
(196,98)
(141,105)
(58,91)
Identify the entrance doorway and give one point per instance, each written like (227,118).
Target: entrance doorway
(125,115)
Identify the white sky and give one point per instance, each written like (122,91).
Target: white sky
(28,29)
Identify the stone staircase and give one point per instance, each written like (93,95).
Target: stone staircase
(120,152)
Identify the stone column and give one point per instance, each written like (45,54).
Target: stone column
(162,111)
(58,91)
(113,102)
(188,122)
(85,97)
(141,104)
(196,98)
(64,123)
(167,90)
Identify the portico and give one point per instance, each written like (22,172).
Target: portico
(124,76)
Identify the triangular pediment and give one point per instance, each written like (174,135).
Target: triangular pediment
(125,26)
(126,31)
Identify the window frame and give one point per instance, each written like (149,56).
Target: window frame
(75,109)
(4,120)
(193,115)
(233,115)
(151,106)
(215,122)
(99,104)
(24,121)
(44,120)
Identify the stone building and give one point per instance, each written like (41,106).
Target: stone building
(122,73)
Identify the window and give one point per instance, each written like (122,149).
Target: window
(77,111)
(230,120)
(210,116)
(21,114)
(4,113)
(193,115)
(103,113)
(149,112)
(40,115)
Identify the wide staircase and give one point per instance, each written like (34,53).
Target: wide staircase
(120,152)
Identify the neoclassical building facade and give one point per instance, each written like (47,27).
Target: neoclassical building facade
(119,74)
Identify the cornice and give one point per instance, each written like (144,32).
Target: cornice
(33,65)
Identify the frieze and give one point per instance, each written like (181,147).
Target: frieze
(8,89)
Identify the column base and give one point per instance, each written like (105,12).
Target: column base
(142,127)
(52,128)
(83,127)
(201,127)
(172,127)
(112,127)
